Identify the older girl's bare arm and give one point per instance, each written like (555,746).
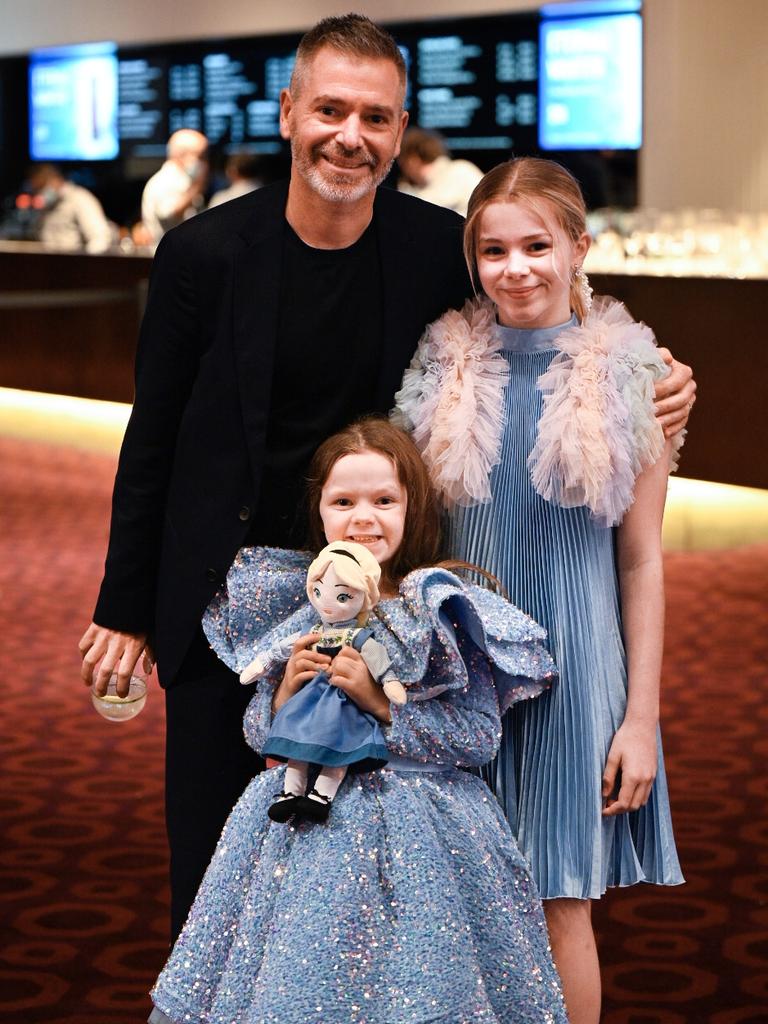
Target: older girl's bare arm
(632,757)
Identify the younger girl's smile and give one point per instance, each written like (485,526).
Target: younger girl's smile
(363,501)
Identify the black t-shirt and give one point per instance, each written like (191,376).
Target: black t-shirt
(325,372)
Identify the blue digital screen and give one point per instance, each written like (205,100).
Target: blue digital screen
(590,82)
(73,102)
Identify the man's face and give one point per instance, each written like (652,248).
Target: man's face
(345,124)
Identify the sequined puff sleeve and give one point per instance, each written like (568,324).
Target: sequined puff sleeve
(459,727)
(258,714)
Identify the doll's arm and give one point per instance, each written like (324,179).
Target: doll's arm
(379,665)
(459,727)
(278,652)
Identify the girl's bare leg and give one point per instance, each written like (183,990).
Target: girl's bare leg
(575,954)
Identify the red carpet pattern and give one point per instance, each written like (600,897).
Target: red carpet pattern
(83,859)
(699,953)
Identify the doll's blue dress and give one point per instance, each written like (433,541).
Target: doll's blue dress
(413,903)
(320,724)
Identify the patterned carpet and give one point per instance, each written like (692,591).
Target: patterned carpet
(83,860)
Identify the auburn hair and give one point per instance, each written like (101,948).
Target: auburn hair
(422,536)
(547,188)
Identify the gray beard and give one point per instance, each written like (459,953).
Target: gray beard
(337,189)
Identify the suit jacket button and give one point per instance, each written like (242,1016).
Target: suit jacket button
(212,575)
(244,513)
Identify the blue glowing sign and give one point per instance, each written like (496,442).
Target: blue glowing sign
(590,83)
(73,102)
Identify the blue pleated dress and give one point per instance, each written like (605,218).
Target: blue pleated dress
(559,566)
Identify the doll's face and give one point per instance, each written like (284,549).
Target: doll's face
(333,600)
(362,500)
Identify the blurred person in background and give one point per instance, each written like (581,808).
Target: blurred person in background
(70,218)
(243,170)
(176,191)
(429,173)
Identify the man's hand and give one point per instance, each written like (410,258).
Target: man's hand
(117,653)
(350,673)
(675,395)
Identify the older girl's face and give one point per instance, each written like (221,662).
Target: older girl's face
(525,264)
(363,501)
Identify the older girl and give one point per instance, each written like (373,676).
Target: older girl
(535,415)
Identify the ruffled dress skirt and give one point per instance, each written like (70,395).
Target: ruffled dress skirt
(411,906)
(559,566)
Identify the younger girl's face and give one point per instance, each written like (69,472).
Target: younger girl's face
(362,500)
(525,264)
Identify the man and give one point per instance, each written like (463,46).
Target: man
(272,321)
(71,217)
(175,192)
(243,172)
(429,172)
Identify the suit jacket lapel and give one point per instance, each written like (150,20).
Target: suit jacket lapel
(256,293)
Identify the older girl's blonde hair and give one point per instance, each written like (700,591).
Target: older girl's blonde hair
(547,188)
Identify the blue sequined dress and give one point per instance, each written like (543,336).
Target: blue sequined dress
(413,904)
(559,566)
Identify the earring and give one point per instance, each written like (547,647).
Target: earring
(581,281)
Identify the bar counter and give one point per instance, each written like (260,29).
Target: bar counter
(68,325)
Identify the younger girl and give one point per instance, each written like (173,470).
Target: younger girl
(412,904)
(535,416)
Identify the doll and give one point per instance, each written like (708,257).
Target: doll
(320,724)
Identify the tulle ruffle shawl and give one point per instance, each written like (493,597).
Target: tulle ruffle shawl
(597,430)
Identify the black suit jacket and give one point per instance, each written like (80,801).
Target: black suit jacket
(190,464)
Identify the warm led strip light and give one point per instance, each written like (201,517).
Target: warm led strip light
(698,514)
(62,419)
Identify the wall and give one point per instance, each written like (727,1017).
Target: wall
(49,22)
(706,128)
(706,143)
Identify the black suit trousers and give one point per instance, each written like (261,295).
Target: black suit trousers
(208,765)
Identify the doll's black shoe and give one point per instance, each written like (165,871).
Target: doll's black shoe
(284,807)
(314,806)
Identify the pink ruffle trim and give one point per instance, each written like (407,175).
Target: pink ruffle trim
(452,402)
(598,431)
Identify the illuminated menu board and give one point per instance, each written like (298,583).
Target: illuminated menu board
(474,80)
(230,92)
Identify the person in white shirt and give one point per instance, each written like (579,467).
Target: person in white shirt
(175,192)
(71,217)
(243,173)
(429,173)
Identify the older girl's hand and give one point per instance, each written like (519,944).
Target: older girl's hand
(350,673)
(633,754)
(303,665)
